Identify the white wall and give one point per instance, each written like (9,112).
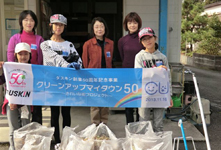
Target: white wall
(32,5)
(174,36)
(148,10)
(212,10)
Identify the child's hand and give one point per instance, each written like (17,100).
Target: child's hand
(171,103)
(13,106)
(1,64)
(162,66)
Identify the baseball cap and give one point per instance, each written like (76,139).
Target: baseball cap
(22,47)
(58,18)
(146,31)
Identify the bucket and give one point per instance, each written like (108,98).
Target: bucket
(177,100)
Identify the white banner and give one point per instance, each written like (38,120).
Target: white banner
(155,88)
(20,83)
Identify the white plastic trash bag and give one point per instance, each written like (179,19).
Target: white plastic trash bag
(141,144)
(140,127)
(112,144)
(142,132)
(97,134)
(166,136)
(32,129)
(102,133)
(76,143)
(87,132)
(36,142)
(67,132)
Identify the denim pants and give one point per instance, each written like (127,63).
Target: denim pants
(158,113)
(15,122)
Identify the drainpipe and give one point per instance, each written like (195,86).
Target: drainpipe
(163,26)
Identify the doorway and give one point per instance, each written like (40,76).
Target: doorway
(80,13)
(9,13)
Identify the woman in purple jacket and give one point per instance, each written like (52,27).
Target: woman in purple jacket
(28,22)
(128,47)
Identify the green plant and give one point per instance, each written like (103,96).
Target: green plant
(193,23)
(211,43)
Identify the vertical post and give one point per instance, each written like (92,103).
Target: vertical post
(201,113)
(3,39)
(163,26)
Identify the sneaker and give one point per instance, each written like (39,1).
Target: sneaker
(57,146)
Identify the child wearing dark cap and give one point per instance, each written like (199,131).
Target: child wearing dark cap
(151,57)
(60,53)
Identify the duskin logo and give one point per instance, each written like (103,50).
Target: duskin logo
(17,79)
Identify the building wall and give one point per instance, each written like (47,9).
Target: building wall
(149,13)
(148,10)
(213,9)
(174,30)
(31,4)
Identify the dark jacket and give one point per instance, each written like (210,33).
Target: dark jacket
(128,47)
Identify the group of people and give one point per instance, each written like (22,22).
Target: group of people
(137,47)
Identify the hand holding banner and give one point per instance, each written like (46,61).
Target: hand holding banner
(119,87)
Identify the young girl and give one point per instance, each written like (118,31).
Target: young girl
(128,47)
(98,53)
(60,53)
(148,58)
(28,23)
(15,121)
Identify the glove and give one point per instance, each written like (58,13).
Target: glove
(74,65)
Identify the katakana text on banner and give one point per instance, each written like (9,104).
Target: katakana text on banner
(118,87)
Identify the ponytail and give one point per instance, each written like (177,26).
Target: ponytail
(156,46)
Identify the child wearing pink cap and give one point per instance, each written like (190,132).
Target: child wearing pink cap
(151,57)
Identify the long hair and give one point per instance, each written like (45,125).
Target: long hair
(23,15)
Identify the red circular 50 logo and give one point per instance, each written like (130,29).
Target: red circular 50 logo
(17,78)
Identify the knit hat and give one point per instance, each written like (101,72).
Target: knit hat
(58,18)
(146,31)
(22,47)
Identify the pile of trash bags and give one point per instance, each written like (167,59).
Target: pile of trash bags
(33,136)
(139,136)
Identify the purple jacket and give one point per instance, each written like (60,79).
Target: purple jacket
(15,39)
(128,47)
